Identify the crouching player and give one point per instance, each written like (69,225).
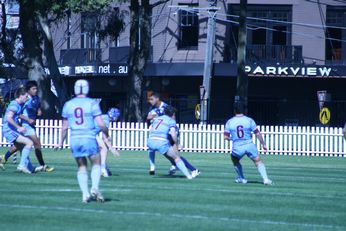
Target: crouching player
(79,114)
(13,132)
(239,129)
(103,143)
(163,126)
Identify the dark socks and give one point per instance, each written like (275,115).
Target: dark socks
(187,164)
(7,155)
(39,157)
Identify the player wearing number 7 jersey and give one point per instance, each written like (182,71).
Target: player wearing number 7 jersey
(239,129)
(79,114)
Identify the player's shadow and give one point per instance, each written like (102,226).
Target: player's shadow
(170,176)
(254,182)
(107,200)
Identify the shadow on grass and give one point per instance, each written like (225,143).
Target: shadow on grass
(169,176)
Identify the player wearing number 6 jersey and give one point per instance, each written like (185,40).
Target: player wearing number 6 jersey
(79,114)
(239,129)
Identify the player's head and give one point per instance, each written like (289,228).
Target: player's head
(81,87)
(154,98)
(238,107)
(21,95)
(113,114)
(170,111)
(31,87)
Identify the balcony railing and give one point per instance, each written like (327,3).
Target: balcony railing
(121,54)
(272,53)
(80,56)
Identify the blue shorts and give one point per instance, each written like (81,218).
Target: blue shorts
(83,147)
(246,149)
(161,146)
(30,131)
(10,135)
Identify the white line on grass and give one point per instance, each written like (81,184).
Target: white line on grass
(267,193)
(181,216)
(65,190)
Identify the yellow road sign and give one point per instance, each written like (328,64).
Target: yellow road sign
(198,111)
(324,115)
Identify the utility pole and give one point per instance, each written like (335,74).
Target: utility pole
(208,63)
(242,78)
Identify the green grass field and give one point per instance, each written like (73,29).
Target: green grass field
(309,194)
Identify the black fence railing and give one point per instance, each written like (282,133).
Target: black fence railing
(272,53)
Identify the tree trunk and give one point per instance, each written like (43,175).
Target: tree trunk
(242,79)
(52,64)
(33,57)
(5,44)
(137,58)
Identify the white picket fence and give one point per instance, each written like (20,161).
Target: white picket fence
(281,140)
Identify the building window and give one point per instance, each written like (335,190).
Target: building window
(89,26)
(188,29)
(335,48)
(268,36)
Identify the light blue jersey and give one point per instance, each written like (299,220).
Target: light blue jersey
(105,119)
(161,126)
(8,130)
(240,129)
(80,113)
(16,108)
(158,137)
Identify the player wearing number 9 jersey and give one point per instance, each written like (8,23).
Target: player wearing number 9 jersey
(79,114)
(239,129)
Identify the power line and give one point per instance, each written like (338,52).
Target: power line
(285,22)
(289,32)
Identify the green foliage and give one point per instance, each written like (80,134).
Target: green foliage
(114,24)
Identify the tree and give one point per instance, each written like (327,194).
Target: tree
(140,45)
(242,78)
(35,19)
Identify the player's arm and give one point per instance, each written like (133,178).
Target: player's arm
(260,139)
(30,121)
(101,124)
(63,133)
(39,112)
(226,136)
(11,121)
(151,115)
(106,138)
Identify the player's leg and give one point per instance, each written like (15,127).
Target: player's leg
(24,161)
(96,177)
(82,177)
(262,170)
(103,154)
(8,154)
(38,152)
(171,152)
(238,168)
(173,169)
(151,162)
(255,157)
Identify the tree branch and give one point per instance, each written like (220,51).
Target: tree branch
(159,3)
